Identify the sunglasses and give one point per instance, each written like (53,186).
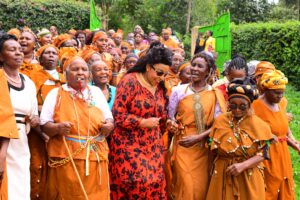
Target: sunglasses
(241,107)
(160,72)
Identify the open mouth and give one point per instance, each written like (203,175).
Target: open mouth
(80,79)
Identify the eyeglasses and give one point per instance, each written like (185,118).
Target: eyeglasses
(241,107)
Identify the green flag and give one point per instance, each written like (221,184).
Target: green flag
(95,23)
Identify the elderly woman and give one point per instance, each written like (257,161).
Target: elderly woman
(77,118)
(24,104)
(192,110)
(271,107)
(90,55)
(239,141)
(172,78)
(100,72)
(140,111)
(45,80)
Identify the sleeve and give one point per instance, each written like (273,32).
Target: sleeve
(264,149)
(48,107)
(126,90)
(34,102)
(173,103)
(218,110)
(100,102)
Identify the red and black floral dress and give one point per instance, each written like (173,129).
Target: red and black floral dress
(136,154)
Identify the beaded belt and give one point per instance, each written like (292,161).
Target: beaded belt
(88,143)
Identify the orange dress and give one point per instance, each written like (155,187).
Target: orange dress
(170,43)
(171,80)
(196,114)
(89,151)
(231,148)
(38,158)
(278,171)
(8,126)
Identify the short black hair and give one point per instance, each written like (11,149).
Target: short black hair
(209,60)
(238,62)
(4,37)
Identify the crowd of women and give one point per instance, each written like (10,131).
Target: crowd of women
(93,115)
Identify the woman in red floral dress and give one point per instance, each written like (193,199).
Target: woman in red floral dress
(140,112)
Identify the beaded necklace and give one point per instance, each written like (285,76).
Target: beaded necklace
(237,131)
(109,93)
(79,94)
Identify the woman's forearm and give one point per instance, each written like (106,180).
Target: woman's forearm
(4,142)
(252,162)
(204,135)
(50,128)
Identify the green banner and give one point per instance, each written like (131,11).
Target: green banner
(95,22)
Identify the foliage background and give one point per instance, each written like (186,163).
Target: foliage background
(269,36)
(278,43)
(39,14)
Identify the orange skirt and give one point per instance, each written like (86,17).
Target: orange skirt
(62,181)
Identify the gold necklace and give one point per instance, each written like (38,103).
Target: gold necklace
(197,91)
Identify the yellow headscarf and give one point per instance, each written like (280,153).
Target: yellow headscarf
(273,80)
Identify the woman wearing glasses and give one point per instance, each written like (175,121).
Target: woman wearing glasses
(192,110)
(240,142)
(140,113)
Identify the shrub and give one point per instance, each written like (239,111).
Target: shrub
(278,43)
(39,14)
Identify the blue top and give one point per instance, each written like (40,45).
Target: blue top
(112,94)
(112,91)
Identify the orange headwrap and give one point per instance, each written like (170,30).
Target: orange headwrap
(43,48)
(98,35)
(72,32)
(117,34)
(126,44)
(273,80)
(59,40)
(184,65)
(14,31)
(168,31)
(88,52)
(66,53)
(69,60)
(263,67)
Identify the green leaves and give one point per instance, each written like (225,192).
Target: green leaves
(274,42)
(44,13)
